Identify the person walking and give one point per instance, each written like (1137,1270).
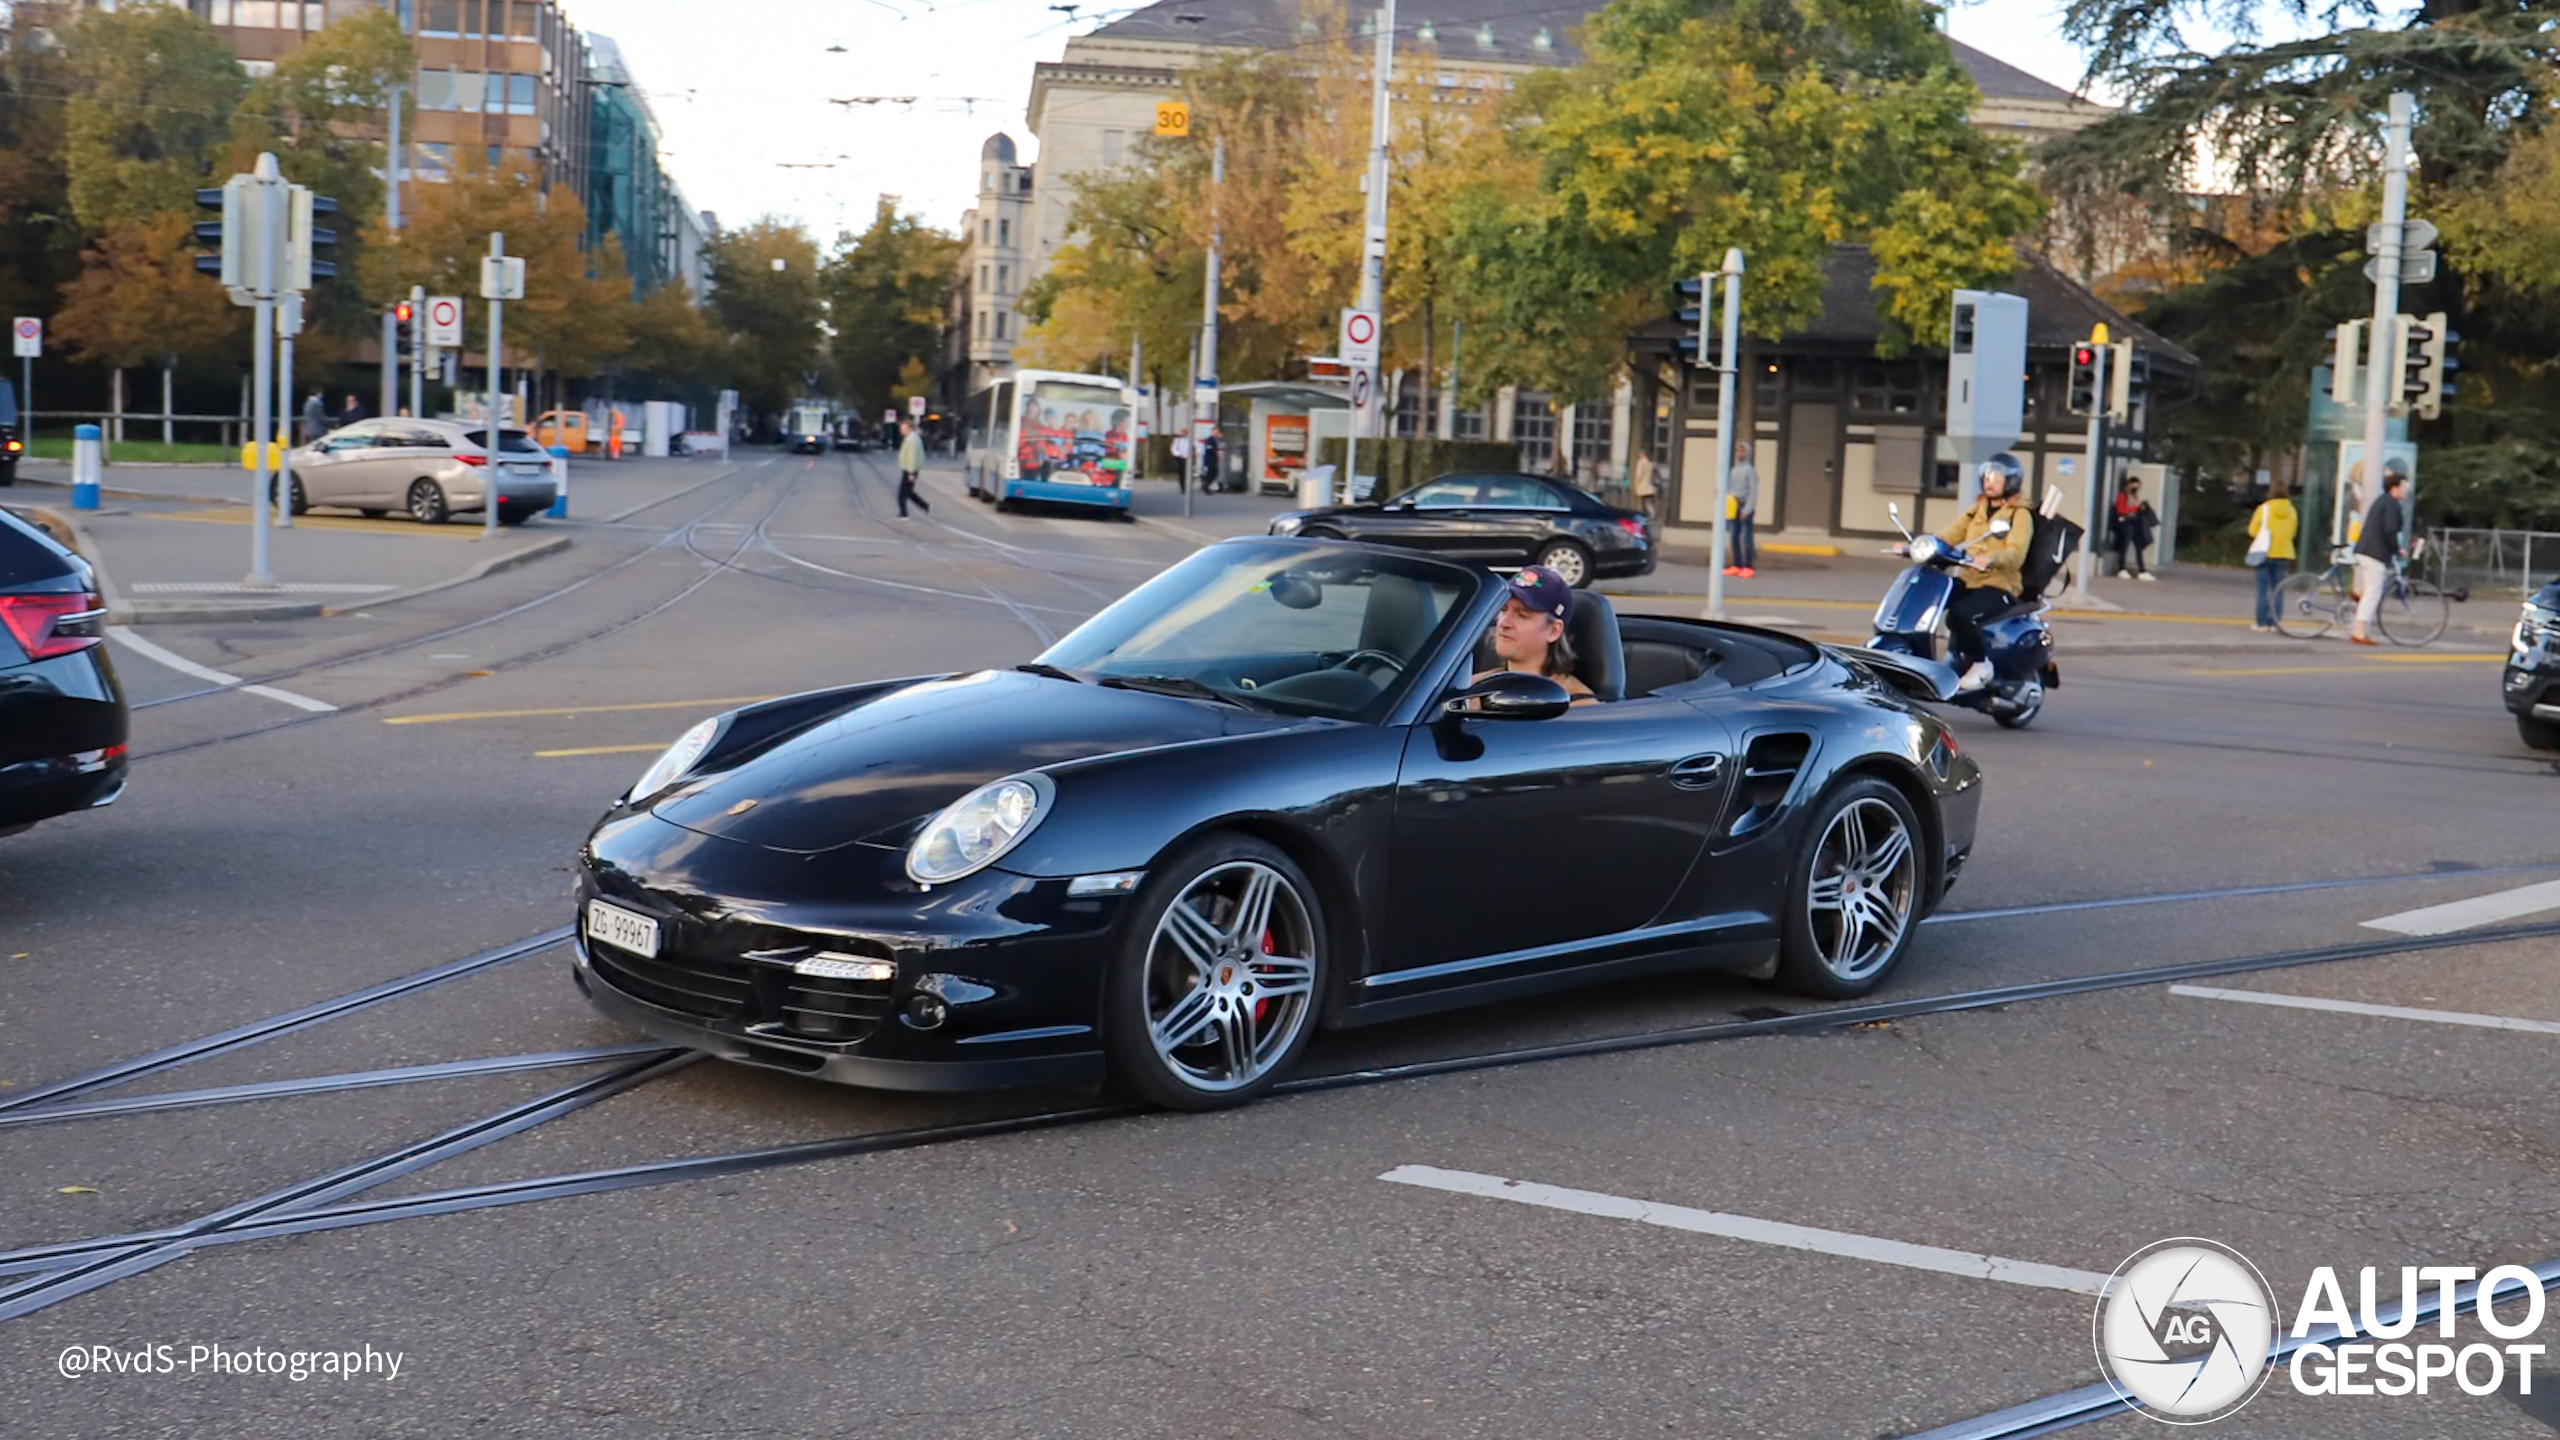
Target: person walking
(1640,485)
(2377,546)
(1742,507)
(910,461)
(315,417)
(2130,529)
(2271,538)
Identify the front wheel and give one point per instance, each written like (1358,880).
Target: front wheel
(1855,899)
(427,503)
(1570,561)
(2307,605)
(1217,984)
(2540,734)
(2414,614)
(2024,715)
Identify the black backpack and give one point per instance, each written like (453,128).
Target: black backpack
(2049,548)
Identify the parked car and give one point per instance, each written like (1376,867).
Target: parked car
(13,441)
(433,469)
(62,712)
(2532,681)
(1263,793)
(564,428)
(1500,520)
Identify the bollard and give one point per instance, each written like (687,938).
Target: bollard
(88,458)
(559,482)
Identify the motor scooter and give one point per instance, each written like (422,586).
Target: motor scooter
(2019,643)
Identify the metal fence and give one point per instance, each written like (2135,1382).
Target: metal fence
(2509,561)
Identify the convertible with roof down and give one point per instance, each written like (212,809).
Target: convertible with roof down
(1272,790)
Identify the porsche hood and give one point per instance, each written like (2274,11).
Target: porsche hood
(877,769)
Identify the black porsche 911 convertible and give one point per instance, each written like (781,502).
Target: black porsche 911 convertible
(1261,794)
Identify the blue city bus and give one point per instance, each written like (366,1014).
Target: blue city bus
(1052,436)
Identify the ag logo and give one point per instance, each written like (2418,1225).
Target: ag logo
(2183,1330)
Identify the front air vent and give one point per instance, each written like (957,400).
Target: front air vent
(1770,764)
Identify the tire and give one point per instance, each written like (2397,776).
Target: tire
(2307,606)
(2540,734)
(9,473)
(427,503)
(301,500)
(2417,616)
(1825,949)
(1216,1019)
(1568,560)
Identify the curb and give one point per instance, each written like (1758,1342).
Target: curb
(491,566)
(153,612)
(121,493)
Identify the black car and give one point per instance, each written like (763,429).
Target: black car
(2532,681)
(1261,794)
(13,443)
(62,714)
(1502,520)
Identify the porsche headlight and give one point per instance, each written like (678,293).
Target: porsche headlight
(975,830)
(1286,525)
(679,758)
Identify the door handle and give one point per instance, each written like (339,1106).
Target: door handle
(1698,772)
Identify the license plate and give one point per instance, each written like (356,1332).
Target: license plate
(620,928)
(524,468)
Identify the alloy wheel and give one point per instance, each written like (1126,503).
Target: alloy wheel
(1567,562)
(1866,882)
(1230,977)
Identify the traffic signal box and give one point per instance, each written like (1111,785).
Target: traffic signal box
(2082,398)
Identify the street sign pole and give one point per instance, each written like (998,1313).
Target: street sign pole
(497,353)
(288,325)
(26,337)
(418,351)
(1208,323)
(2094,459)
(1728,364)
(2382,367)
(267,193)
(1373,239)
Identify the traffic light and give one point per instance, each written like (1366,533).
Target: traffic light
(237,236)
(302,238)
(1691,308)
(2424,362)
(2082,398)
(2128,376)
(2410,338)
(404,318)
(1960,329)
(2346,363)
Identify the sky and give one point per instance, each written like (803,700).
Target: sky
(744,91)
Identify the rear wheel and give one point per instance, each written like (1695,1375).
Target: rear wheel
(427,503)
(1855,899)
(2540,734)
(1568,560)
(2415,614)
(2308,605)
(1216,988)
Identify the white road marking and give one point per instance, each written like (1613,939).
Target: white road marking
(233,587)
(1744,1227)
(2478,910)
(124,636)
(2358,1007)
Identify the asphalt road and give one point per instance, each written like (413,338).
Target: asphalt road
(1343,1260)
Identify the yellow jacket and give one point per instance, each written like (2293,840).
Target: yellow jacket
(2276,518)
(2003,556)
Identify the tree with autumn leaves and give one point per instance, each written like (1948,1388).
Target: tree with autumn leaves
(1552,219)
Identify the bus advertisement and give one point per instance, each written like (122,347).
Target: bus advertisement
(1044,435)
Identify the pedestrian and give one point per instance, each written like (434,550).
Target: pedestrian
(350,413)
(910,461)
(2130,529)
(1640,485)
(315,417)
(2271,538)
(1182,462)
(1742,507)
(2378,546)
(1209,477)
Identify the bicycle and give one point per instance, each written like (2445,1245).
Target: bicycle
(2412,612)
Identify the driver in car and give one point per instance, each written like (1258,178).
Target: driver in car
(1990,572)
(1529,635)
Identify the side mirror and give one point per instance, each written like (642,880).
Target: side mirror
(1510,696)
(1894,509)
(1998,528)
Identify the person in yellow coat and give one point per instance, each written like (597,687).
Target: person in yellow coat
(2272,530)
(1990,575)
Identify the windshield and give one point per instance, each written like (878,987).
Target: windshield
(510,442)
(1074,434)
(1311,631)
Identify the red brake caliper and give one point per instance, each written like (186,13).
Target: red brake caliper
(1262,1008)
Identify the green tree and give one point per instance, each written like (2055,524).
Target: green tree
(1784,127)
(885,292)
(39,244)
(138,299)
(154,93)
(767,294)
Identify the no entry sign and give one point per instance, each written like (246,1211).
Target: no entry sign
(444,321)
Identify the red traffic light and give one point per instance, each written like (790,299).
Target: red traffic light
(2085,355)
(401,312)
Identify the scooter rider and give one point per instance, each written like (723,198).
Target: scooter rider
(1990,574)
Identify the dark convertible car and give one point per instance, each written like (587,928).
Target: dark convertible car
(1266,792)
(1502,520)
